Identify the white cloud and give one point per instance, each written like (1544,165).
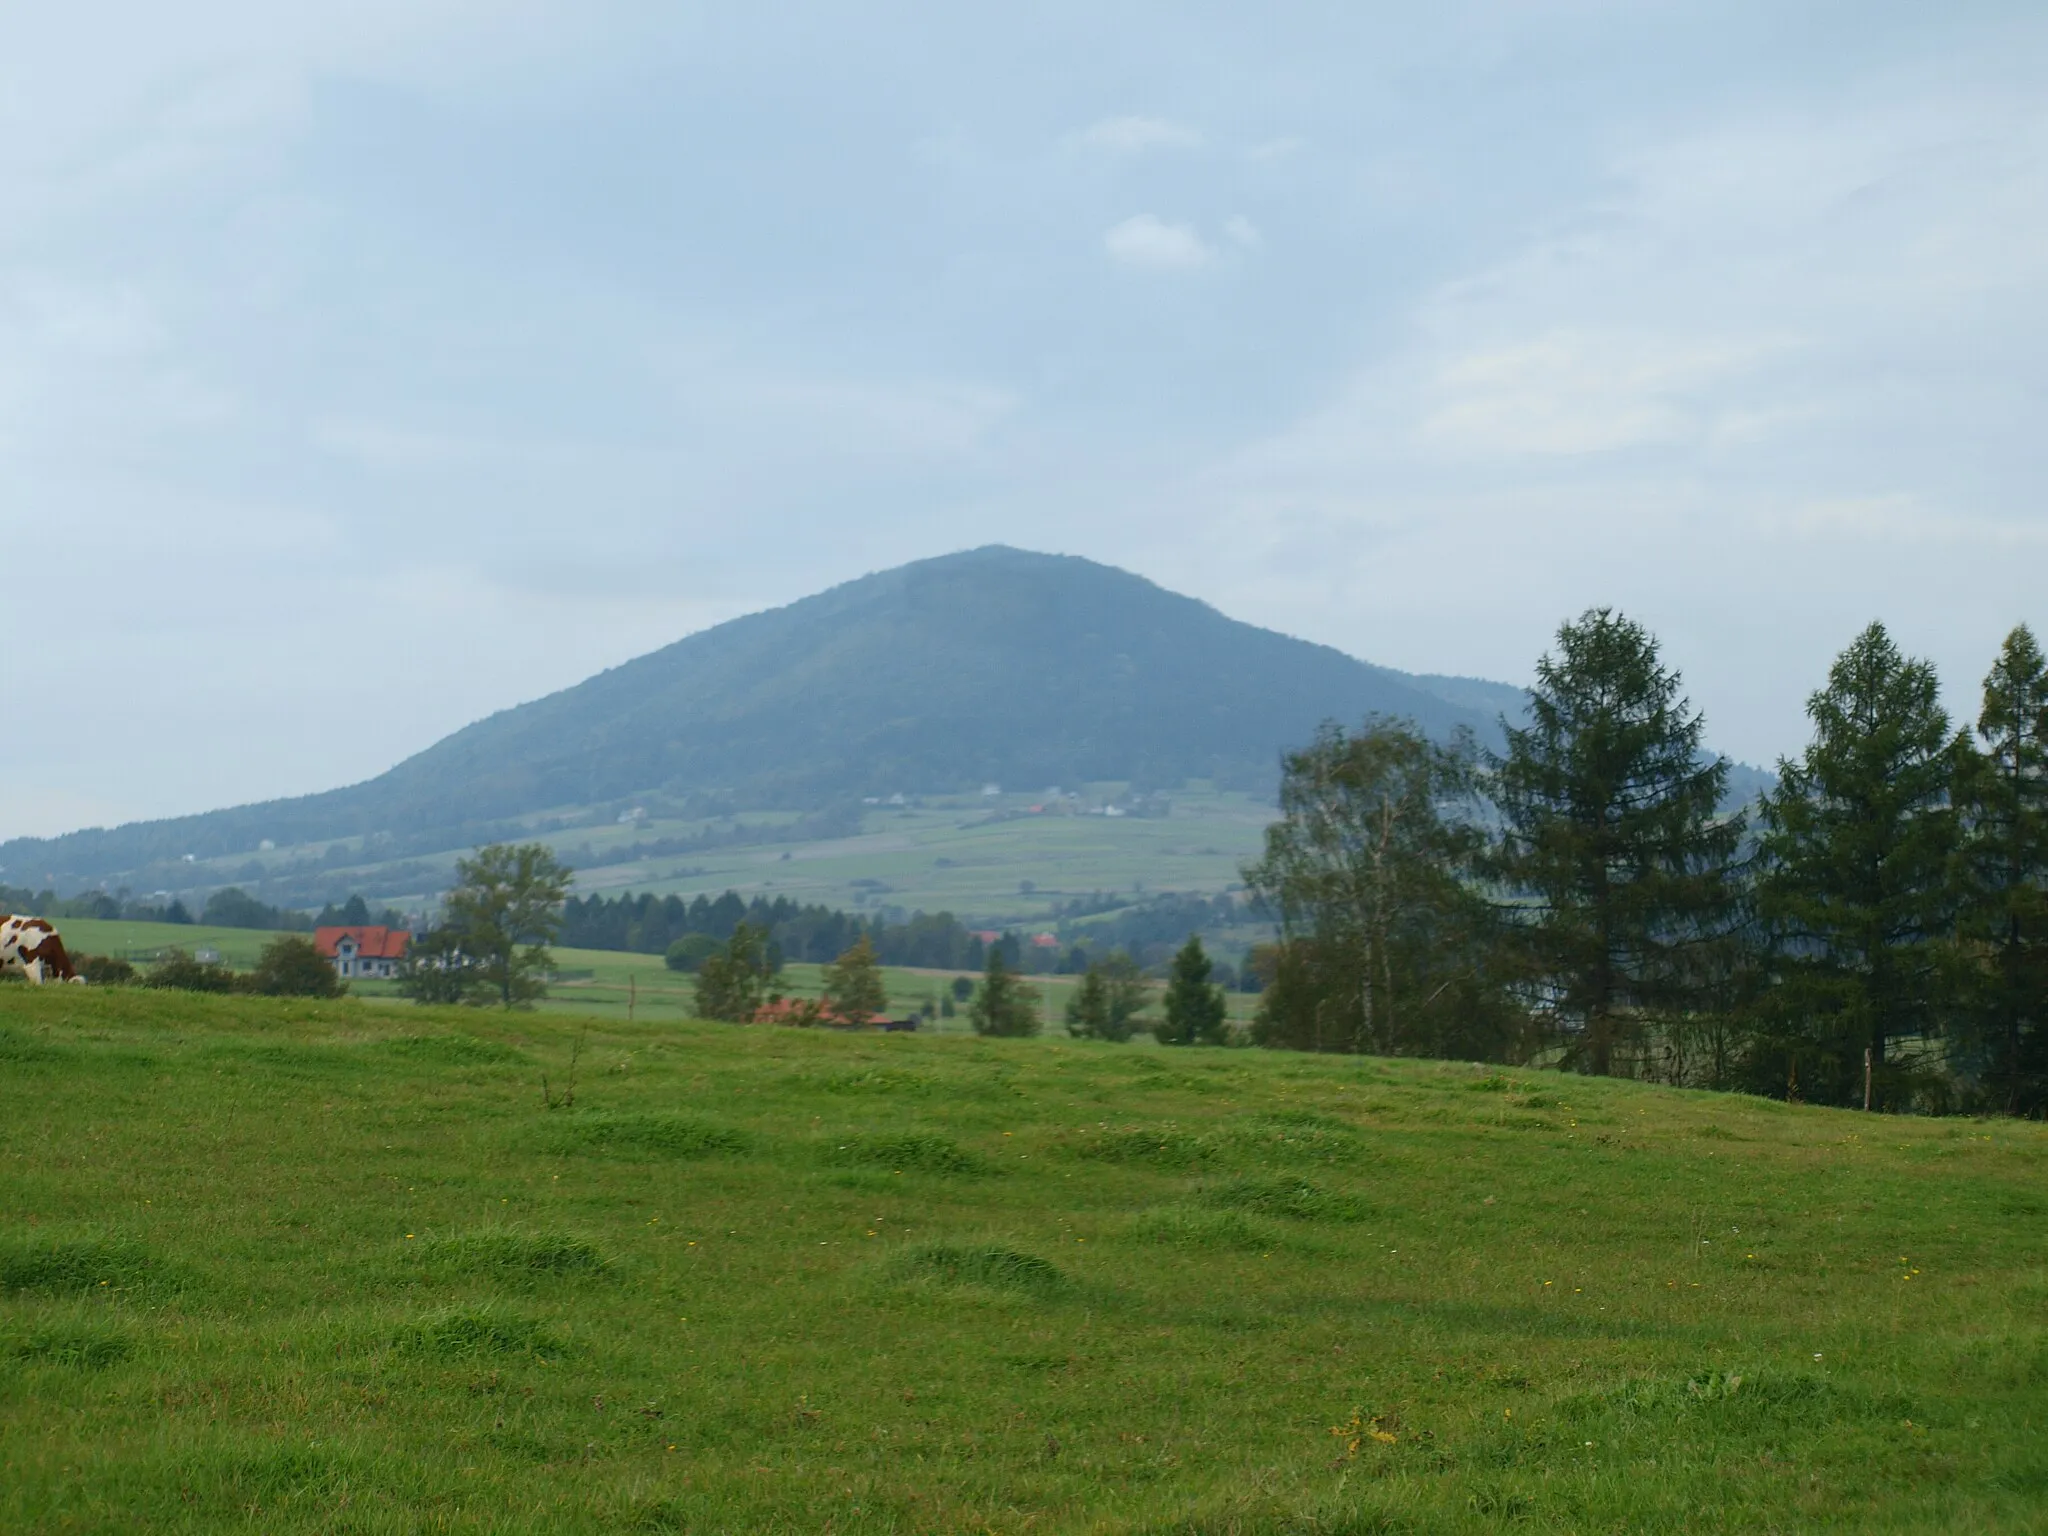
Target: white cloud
(1573,392)
(1244,232)
(1135,135)
(1153,244)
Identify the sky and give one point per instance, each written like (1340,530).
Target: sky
(367,367)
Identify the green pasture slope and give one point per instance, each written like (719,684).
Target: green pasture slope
(291,1267)
(599,982)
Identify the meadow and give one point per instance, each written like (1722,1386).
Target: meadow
(994,860)
(605,982)
(285,1266)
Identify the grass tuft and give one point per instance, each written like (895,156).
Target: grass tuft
(876,1080)
(1193,1226)
(471,1334)
(87,1346)
(1297,1199)
(1162,1146)
(983,1264)
(655,1134)
(452,1050)
(59,1265)
(498,1250)
(919,1151)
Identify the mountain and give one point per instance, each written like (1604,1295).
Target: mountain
(993,665)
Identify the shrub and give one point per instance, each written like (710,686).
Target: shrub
(178,971)
(290,966)
(691,951)
(105,970)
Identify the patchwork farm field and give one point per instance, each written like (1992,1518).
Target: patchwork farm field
(599,982)
(280,1266)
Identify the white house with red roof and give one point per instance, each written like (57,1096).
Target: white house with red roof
(363,952)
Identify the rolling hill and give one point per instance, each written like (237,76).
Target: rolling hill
(994,665)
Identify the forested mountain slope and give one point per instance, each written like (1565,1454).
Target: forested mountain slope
(993,665)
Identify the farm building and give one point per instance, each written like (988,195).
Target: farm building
(363,951)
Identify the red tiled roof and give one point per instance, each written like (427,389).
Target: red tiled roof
(781,1008)
(371,943)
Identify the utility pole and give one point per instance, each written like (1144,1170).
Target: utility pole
(1868,1055)
(633,1001)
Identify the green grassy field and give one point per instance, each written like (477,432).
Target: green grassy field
(281,1267)
(601,982)
(965,855)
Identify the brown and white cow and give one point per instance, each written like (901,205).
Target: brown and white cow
(30,945)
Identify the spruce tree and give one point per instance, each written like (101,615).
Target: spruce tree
(1004,1003)
(1611,837)
(1107,1003)
(1196,1012)
(1857,843)
(2002,795)
(854,991)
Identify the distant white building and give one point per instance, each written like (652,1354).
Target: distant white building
(364,952)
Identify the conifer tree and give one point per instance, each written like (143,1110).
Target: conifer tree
(1004,1003)
(1107,1003)
(1857,842)
(2002,796)
(1195,1010)
(854,991)
(1611,837)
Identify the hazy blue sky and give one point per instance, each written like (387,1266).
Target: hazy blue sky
(367,367)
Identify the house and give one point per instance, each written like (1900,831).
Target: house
(364,952)
(790,1010)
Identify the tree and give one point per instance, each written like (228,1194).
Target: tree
(1196,1013)
(1610,837)
(1857,842)
(690,951)
(733,984)
(1107,1003)
(435,969)
(2002,795)
(854,990)
(505,910)
(1004,1003)
(292,967)
(1367,873)
(177,970)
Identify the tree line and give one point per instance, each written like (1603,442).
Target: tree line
(1872,931)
